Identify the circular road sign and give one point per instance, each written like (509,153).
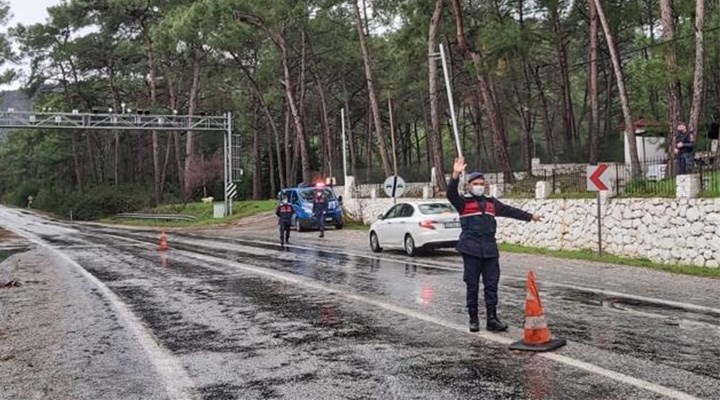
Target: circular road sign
(394,186)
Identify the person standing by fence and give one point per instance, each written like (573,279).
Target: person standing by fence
(684,148)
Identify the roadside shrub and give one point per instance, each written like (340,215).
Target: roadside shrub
(48,199)
(101,202)
(25,189)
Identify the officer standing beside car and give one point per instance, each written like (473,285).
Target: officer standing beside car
(320,208)
(477,243)
(284,213)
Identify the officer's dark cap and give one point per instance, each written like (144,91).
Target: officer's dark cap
(475,175)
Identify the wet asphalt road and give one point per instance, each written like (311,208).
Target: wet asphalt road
(246,319)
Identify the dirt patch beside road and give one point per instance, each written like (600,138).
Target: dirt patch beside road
(59,339)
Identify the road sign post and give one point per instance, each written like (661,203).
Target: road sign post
(598,180)
(394,187)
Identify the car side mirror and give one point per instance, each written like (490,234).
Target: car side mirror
(340,199)
(380,217)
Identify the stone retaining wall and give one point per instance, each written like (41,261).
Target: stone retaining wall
(662,230)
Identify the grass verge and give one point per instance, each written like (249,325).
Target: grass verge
(355,225)
(591,255)
(203,212)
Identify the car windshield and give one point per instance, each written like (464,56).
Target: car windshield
(309,193)
(436,208)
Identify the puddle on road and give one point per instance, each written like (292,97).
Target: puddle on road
(624,304)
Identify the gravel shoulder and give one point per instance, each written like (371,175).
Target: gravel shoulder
(60,339)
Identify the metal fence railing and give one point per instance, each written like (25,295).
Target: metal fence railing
(656,178)
(709,171)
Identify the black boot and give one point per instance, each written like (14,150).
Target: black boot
(493,322)
(474,321)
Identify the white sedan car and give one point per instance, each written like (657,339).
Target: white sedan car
(412,226)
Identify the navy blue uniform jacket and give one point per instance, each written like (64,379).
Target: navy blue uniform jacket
(477,219)
(284,213)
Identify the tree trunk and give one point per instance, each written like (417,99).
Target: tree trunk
(255,156)
(495,120)
(698,83)
(173,102)
(674,105)
(192,108)
(629,127)
(116,108)
(166,163)
(328,144)
(290,158)
(76,161)
(268,115)
(350,137)
(436,148)
(593,75)
(153,99)
(375,107)
(564,82)
(301,137)
(526,135)
(526,114)
(609,101)
(271,161)
(550,144)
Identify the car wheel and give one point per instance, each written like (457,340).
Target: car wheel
(339,226)
(409,246)
(298,225)
(374,243)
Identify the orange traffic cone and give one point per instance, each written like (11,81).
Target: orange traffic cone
(163,241)
(537,335)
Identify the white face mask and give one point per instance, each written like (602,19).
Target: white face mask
(477,190)
(284,201)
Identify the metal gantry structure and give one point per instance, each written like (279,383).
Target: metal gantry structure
(139,122)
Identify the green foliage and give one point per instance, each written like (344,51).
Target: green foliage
(92,204)
(73,67)
(19,197)
(102,202)
(645,188)
(203,212)
(711,184)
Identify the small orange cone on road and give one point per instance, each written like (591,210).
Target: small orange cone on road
(163,241)
(537,335)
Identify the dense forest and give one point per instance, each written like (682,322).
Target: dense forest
(560,80)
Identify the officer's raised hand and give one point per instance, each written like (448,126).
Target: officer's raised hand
(459,167)
(537,217)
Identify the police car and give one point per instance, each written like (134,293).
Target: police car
(301,199)
(412,226)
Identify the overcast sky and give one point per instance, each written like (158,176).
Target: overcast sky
(27,12)
(30,11)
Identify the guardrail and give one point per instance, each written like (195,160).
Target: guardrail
(169,217)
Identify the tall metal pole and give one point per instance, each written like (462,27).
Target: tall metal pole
(451,102)
(392,136)
(229,166)
(394,152)
(599,224)
(344,145)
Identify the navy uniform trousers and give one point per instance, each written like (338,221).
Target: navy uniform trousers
(489,270)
